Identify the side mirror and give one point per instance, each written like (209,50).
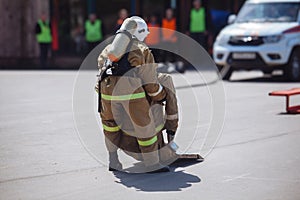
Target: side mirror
(231,19)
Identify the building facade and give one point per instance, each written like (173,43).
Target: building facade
(18,20)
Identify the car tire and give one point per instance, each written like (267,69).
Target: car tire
(226,72)
(292,70)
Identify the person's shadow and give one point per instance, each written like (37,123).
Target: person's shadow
(168,181)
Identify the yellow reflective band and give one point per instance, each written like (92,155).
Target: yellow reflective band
(159,128)
(111,129)
(123,97)
(148,142)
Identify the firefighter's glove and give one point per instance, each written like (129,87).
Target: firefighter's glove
(171,134)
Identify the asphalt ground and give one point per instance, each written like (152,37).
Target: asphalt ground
(255,157)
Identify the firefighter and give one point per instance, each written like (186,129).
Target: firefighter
(166,119)
(128,82)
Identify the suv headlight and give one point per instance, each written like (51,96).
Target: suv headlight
(221,39)
(272,38)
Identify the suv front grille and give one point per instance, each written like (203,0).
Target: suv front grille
(245,41)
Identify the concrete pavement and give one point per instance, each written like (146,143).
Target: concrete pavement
(41,156)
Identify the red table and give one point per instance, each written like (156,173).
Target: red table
(287,94)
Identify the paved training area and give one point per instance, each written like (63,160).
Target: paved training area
(41,156)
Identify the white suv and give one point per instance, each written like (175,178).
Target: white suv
(265,35)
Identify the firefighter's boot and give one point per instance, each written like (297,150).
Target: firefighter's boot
(114,163)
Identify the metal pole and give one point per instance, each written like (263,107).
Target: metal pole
(91,4)
(287,105)
(173,4)
(133,7)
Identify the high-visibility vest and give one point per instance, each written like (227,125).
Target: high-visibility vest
(45,35)
(93,31)
(120,22)
(154,36)
(168,31)
(197,23)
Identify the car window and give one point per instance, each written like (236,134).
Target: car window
(269,12)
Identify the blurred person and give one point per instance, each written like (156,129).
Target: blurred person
(123,14)
(44,38)
(169,37)
(153,39)
(93,31)
(169,22)
(200,24)
(128,88)
(79,38)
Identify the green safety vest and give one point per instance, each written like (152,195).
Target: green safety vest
(197,21)
(93,31)
(45,35)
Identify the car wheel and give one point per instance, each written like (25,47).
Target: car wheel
(226,72)
(292,70)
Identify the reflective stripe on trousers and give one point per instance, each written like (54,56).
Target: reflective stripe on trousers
(117,128)
(147,142)
(111,129)
(123,97)
(140,142)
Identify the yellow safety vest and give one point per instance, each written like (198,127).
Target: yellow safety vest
(197,24)
(93,31)
(45,35)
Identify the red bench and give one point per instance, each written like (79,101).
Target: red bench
(287,94)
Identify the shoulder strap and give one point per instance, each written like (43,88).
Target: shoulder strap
(130,43)
(126,33)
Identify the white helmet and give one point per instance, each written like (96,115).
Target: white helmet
(142,30)
(129,25)
(137,28)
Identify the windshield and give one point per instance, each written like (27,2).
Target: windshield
(268,12)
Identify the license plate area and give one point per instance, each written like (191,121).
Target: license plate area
(244,56)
